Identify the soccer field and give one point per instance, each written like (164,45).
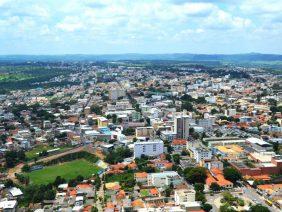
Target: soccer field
(67,170)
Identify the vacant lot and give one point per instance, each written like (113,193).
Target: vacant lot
(68,170)
(33,153)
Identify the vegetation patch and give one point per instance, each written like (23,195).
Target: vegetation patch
(67,170)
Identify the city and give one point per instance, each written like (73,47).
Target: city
(140,106)
(144,136)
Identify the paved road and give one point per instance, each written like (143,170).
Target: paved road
(255,197)
(249,193)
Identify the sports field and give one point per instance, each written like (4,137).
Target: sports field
(68,170)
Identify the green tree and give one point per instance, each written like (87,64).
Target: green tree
(207,207)
(215,187)
(196,175)
(199,187)
(25,168)
(9,183)
(200,197)
(232,174)
(259,208)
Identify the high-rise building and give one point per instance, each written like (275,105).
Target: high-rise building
(149,148)
(181,126)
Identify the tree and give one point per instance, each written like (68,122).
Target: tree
(9,183)
(25,168)
(79,178)
(259,208)
(59,180)
(114,118)
(215,187)
(196,175)
(128,131)
(94,209)
(169,190)
(276,147)
(49,194)
(226,208)
(176,158)
(200,197)
(187,106)
(199,187)
(206,207)
(72,183)
(232,174)
(96,109)
(97,182)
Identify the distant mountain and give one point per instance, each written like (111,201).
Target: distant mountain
(251,57)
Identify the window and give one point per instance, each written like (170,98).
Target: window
(154,147)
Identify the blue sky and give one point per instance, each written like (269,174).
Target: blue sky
(140,26)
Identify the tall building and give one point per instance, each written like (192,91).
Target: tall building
(149,148)
(181,126)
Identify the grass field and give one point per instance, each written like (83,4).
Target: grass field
(32,153)
(68,170)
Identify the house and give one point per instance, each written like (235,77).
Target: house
(8,205)
(141,177)
(15,193)
(216,176)
(179,145)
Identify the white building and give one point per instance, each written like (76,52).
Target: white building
(183,196)
(149,148)
(8,205)
(165,178)
(181,126)
(116,93)
(201,153)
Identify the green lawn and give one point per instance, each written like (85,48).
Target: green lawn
(144,193)
(68,170)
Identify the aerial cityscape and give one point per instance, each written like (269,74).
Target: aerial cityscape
(190,121)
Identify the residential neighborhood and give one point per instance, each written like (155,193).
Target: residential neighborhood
(124,137)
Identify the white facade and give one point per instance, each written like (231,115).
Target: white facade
(149,148)
(201,154)
(183,196)
(163,179)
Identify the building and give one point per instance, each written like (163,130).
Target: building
(141,177)
(183,196)
(179,145)
(165,178)
(8,205)
(149,148)
(102,121)
(200,153)
(167,135)
(181,126)
(116,93)
(216,176)
(147,132)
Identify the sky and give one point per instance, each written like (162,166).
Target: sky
(140,26)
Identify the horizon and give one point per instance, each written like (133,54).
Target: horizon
(133,53)
(103,27)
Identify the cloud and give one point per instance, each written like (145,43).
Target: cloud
(140,24)
(70,24)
